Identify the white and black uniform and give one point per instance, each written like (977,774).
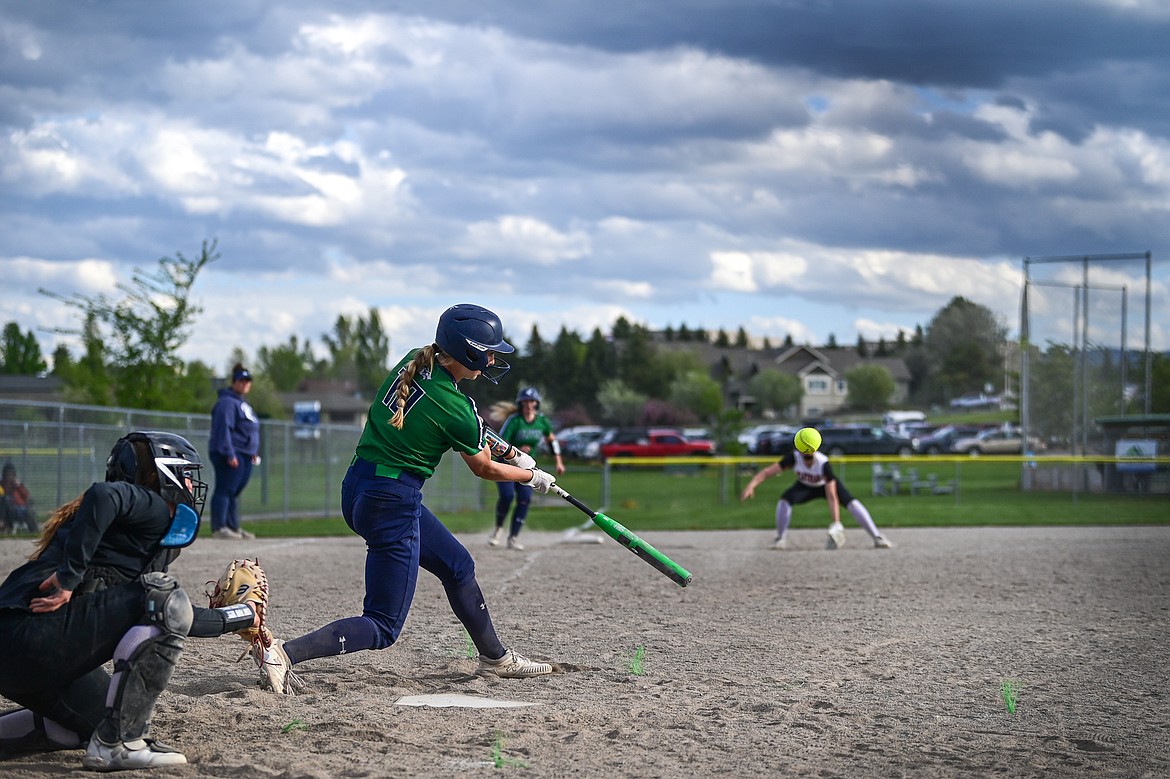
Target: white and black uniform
(811,479)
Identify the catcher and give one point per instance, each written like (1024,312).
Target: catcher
(96,589)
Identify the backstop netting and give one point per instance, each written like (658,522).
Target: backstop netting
(1084,357)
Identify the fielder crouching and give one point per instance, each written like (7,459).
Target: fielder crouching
(814,479)
(96,589)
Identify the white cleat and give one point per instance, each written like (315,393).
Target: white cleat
(129,755)
(276,673)
(496,537)
(780,543)
(881,542)
(514,543)
(512,665)
(836,536)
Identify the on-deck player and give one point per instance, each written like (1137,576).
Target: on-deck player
(524,429)
(419,414)
(814,479)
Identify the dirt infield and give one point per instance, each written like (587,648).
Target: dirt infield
(801,663)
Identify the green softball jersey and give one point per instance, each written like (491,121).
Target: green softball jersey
(519,433)
(438,417)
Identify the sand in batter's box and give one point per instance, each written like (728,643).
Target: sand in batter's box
(849,663)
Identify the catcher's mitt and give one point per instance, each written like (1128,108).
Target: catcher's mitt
(244,581)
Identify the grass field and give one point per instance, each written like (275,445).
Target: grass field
(684,495)
(692,497)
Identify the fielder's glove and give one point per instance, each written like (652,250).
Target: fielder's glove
(244,581)
(541,481)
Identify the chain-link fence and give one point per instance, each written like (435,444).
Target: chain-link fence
(58,450)
(1085,349)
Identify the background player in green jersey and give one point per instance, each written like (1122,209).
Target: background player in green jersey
(523,429)
(419,414)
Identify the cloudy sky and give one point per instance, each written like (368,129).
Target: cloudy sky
(803,167)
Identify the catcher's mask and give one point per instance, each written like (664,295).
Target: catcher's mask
(178,466)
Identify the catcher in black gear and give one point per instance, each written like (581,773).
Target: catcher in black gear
(96,589)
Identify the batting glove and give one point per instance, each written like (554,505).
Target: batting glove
(541,481)
(521,460)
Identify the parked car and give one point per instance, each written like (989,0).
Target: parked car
(851,439)
(652,442)
(777,441)
(941,441)
(575,440)
(997,440)
(975,400)
(754,436)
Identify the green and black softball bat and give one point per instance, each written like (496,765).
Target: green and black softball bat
(627,538)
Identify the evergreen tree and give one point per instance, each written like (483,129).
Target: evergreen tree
(20,353)
(862,346)
(741,339)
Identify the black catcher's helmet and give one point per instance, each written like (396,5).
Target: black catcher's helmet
(175,460)
(528,393)
(467,333)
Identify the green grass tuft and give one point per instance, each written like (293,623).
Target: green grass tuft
(1010,692)
(637,665)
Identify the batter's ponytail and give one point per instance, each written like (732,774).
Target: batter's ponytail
(424,359)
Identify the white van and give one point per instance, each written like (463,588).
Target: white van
(891,419)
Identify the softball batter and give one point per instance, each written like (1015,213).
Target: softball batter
(419,414)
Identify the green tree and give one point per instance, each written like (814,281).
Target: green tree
(862,346)
(963,344)
(741,339)
(636,362)
(536,354)
(620,405)
(775,390)
(142,331)
(566,373)
(832,342)
(287,365)
(20,354)
(373,353)
(870,387)
(600,364)
(697,392)
(721,339)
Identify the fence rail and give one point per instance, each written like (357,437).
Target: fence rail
(58,450)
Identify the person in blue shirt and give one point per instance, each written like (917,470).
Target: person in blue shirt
(233,449)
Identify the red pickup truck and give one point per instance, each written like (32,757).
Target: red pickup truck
(652,442)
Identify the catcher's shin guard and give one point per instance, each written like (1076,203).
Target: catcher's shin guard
(145,660)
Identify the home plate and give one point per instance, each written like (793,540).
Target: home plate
(442,701)
(575,536)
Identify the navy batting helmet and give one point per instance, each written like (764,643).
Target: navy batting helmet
(528,393)
(471,335)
